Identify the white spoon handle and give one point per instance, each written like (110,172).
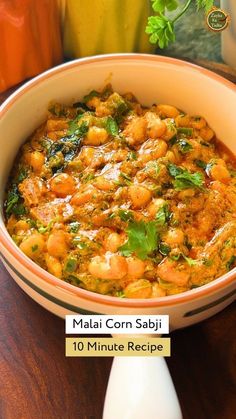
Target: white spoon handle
(141,388)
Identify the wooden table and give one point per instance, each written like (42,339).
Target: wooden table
(38,382)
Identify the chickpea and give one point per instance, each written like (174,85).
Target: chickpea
(113,241)
(114,267)
(33,246)
(170,129)
(136,267)
(154,206)
(104,184)
(35,160)
(183,120)
(62,185)
(87,155)
(206,133)
(167,270)
(21,225)
(198,122)
(170,155)
(219,171)
(83,195)
(136,130)
(139,195)
(156,127)
(138,289)
(53,265)
(57,244)
(96,136)
(157,291)
(167,111)
(174,236)
(152,150)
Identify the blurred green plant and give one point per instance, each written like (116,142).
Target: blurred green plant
(162,28)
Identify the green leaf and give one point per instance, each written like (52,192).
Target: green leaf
(185,130)
(163,216)
(184,146)
(164,249)
(111,126)
(185,179)
(200,163)
(92,94)
(125,215)
(71,265)
(143,239)
(74,227)
(205,4)
(78,130)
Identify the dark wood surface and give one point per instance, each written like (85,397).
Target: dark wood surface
(38,382)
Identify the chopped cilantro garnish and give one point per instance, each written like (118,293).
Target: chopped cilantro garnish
(78,130)
(74,227)
(184,146)
(184,179)
(71,265)
(34,248)
(132,155)
(125,215)
(163,216)
(143,239)
(92,94)
(111,126)
(201,164)
(164,249)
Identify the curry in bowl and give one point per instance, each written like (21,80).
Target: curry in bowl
(125,200)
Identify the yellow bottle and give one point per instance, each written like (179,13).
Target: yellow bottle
(105,26)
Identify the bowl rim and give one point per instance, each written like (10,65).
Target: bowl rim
(45,276)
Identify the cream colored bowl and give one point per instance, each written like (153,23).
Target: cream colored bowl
(151,79)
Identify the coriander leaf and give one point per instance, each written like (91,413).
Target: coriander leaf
(143,239)
(184,146)
(184,130)
(74,226)
(200,163)
(111,126)
(185,179)
(23,173)
(78,130)
(71,265)
(164,249)
(174,170)
(92,94)
(188,180)
(163,216)
(125,215)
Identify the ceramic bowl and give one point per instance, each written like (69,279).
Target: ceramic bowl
(151,79)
